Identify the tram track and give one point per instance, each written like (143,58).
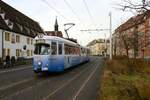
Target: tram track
(48,84)
(48,81)
(71,88)
(65,84)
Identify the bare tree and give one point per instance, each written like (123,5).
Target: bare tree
(135,41)
(115,46)
(139,7)
(127,41)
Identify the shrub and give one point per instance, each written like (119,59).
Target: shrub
(118,67)
(120,57)
(126,79)
(129,66)
(143,87)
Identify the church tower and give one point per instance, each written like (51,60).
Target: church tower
(56,31)
(56,25)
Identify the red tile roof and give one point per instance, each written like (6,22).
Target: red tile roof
(54,33)
(133,21)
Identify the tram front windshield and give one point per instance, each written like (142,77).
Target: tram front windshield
(42,49)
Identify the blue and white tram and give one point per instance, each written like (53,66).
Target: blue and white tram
(55,54)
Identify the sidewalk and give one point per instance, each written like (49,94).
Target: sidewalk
(14,67)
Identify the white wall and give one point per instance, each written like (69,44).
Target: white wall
(0,43)
(14,46)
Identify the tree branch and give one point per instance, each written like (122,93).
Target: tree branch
(142,6)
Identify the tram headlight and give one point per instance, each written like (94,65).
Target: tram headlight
(39,63)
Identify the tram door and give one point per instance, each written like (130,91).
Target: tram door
(57,62)
(67,57)
(60,55)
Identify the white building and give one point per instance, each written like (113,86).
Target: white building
(16,32)
(99,47)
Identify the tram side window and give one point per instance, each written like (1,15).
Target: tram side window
(66,49)
(54,48)
(60,49)
(71,50)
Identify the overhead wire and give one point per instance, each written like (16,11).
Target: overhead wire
(69,6)
(66,2)
(89,13)
(50,6)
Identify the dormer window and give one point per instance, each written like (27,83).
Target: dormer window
(0,9)
(17,19)
(9,23)
(2,13)
(28,31)
(20,27)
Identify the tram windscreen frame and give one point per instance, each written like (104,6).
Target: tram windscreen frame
(42,49)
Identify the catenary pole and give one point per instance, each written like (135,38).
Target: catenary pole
(110,15)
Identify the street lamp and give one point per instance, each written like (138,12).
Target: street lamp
(110,36)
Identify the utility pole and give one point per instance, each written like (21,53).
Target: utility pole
(105,46)
(110,36)
(2,45)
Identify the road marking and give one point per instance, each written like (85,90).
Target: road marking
(23,90)
(83,85)
(15,84)
(64,84)
(26,89)
(15,69)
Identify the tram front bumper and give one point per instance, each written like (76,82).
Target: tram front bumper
(39,69)
(44,69)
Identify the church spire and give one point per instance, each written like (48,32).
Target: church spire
(56,25)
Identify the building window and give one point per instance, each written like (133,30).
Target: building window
(18,52)
(28,40)
(31,53)
(7,36)
(13,38)
(28,52)
(6,52)
(31,41)
(17,38)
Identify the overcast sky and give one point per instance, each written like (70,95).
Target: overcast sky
(86,14)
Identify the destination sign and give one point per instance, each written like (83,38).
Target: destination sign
(40,41)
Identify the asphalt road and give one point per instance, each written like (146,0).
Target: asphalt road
(78,83)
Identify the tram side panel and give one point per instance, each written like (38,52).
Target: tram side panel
(72,60)
(56,63)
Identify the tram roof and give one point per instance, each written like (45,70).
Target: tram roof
(55,38)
